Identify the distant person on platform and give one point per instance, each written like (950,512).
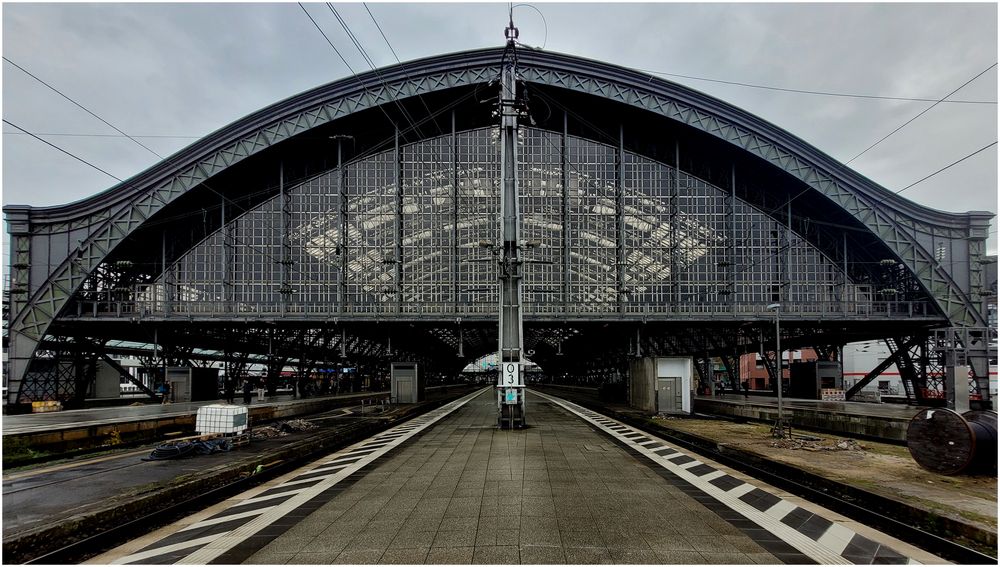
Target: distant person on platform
(247,392)
(230,391)
(166,393)
(746,389)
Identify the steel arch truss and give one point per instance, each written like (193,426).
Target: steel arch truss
(93,229)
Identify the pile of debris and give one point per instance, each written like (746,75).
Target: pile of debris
(814,444)
(282,428)
(847,445)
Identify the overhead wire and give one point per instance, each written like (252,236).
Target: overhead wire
(371,63)
(330,43)
(372,16)
(919,114)
(406,73)
(402,109)
(74,156)
(84,135)
(374,68)
(81,107)
(956,162)
(812,92)
(344,60)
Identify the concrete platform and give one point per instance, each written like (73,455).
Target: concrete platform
(52,421)
(82,430)
(575,487)
(875,421)
(883,422)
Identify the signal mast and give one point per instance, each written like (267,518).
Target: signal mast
(510,385)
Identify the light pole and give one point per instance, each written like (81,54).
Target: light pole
(779,427)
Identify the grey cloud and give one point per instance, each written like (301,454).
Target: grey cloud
(189,69)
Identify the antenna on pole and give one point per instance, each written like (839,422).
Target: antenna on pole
(511,33)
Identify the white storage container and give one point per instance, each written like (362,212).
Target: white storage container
(220,418)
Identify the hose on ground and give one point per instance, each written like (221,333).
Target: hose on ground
(182,449)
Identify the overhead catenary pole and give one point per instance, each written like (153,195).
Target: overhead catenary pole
(510,387)
(780,371)
(779,429)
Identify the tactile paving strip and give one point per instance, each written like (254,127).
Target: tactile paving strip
(821,540)
(274,510)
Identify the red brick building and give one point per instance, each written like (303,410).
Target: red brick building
(752,367)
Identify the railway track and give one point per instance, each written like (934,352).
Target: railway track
(105,534)
(336,413)
(80,550)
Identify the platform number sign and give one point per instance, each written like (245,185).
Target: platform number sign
(509,374)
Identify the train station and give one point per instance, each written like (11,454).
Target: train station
(499,306)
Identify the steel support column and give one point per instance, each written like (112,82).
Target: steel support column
(285,259)
(342,192)
(674,213)
(844,299)
(732,364)
(21,346)
(398,226)
(731,242)
(455,202)
(168,281)
(620,219)
(564,173)
(228,251)
(787,275)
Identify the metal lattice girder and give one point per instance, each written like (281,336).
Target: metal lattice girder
(870,207)
(898,223)
(67,277)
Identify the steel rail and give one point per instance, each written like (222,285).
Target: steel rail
(62,480)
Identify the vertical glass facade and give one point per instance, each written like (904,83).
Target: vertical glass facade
(391,233)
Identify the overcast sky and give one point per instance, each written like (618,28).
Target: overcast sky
(187,69)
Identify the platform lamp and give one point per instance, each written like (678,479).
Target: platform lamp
(779,427)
